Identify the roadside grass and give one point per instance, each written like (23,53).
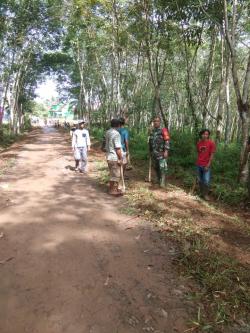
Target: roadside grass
(223,295)
(7,138)
(102,171)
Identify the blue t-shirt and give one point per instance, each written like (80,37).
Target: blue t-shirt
(124,137)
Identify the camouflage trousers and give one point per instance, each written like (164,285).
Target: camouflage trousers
(161,168)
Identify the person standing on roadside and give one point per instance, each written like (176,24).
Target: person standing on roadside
(125,143)
(205,149)
(114,156)
(81,146)
(159,145)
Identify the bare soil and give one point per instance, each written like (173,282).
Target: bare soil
(69,261)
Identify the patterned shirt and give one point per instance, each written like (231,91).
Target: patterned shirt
(159,142)
(113,142)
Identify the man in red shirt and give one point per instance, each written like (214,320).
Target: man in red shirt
(206,149)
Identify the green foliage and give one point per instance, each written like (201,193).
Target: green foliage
(183,152)
(138,145)
(38,109)
(97,133)
(6,137)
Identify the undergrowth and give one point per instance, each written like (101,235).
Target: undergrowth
(223,296)
(7,138)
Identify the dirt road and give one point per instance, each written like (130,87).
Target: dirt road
(70,262)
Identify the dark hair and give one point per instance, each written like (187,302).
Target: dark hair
(203,131)
(122,121)
(156,117)
(115,123)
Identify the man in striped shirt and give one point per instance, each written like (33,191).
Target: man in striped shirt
(114,156)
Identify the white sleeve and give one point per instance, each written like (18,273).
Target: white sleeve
(88,139)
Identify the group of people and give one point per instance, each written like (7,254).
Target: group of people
(116,147)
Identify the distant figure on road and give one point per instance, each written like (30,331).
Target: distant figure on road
(73,128)
(72,131)
(205,149)
(81,146)
(159,145)
(114,156)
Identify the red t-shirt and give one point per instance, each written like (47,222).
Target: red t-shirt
(205,149)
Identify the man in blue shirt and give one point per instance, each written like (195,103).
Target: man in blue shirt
(125,143)
(124,136)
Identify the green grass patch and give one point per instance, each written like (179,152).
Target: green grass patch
(7,138)
(103,174)
(223,285)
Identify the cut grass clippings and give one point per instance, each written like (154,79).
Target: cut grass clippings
(223,296)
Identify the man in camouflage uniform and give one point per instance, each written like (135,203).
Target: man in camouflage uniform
(159,146)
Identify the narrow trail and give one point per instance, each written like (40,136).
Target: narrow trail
(70,262)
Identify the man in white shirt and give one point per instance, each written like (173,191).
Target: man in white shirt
(81,146)
(114,156)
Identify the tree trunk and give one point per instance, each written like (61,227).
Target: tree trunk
(227,105)
(210,74)
(241,97)
(243,177)
(222,92)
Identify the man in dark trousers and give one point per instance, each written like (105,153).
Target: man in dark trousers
(205,149)
(159,145)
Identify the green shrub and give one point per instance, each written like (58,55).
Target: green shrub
(97,133)
(6,138)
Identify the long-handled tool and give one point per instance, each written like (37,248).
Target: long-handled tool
(129,165)
(194,186)
(149,178)
(122,177)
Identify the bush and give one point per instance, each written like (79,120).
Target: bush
(6,138)
(97,133)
